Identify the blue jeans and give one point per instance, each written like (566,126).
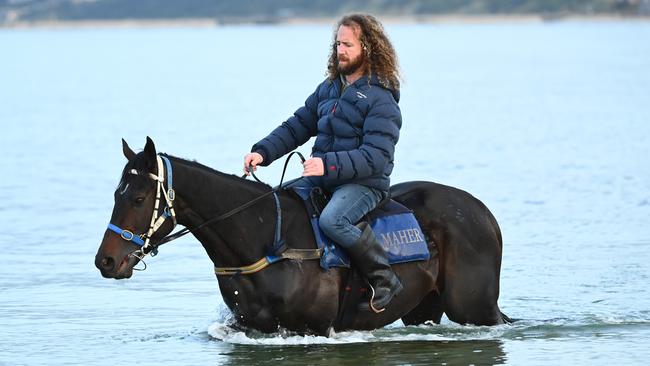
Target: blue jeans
(349,203)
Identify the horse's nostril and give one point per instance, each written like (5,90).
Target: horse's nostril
(107,263)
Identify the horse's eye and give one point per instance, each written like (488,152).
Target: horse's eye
(139,200)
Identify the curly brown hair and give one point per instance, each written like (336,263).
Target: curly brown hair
(381,59)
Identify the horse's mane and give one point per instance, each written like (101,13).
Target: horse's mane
(207,169)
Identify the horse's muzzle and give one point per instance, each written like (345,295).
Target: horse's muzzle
(110,268)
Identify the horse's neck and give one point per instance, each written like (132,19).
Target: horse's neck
(203,195)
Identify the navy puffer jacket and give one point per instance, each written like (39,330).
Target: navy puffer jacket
(356,132)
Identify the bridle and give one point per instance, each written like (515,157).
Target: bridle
(144,240)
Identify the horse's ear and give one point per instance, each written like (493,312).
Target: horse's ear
(128,153)
(150,153)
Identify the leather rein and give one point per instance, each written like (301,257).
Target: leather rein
(279,249)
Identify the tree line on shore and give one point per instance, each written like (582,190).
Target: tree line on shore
(279,10)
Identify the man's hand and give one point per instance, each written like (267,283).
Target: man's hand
(252,159)
(313,167)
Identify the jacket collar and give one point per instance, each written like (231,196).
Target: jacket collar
(373,80)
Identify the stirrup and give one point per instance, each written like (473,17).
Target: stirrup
(372,297)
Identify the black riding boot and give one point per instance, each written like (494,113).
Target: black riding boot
(369,256)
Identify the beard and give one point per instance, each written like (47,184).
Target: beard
(352,66)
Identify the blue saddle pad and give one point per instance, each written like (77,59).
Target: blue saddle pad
(394,226)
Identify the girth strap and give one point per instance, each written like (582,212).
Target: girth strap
(279,250)
(294,254)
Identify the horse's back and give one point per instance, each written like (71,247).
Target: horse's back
(435,192)
(441,205)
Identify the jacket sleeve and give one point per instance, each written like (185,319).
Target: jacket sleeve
(380,134)
(292,133)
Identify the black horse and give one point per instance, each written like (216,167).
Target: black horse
(461,278)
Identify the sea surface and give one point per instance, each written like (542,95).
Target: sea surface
(547,123)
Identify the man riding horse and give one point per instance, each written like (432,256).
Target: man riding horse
(270,284)
(355,117)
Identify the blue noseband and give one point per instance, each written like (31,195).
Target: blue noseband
(126,234)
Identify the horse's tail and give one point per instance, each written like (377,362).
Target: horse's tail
(507,319)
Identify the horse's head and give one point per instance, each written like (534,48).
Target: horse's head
(141,214)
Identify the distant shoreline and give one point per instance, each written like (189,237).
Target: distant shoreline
(212,22)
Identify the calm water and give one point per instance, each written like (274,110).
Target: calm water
(548,124)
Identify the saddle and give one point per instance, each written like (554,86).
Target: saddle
(394,226)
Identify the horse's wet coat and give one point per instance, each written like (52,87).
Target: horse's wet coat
(460,279)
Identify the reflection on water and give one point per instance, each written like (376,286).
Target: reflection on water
(488,352)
